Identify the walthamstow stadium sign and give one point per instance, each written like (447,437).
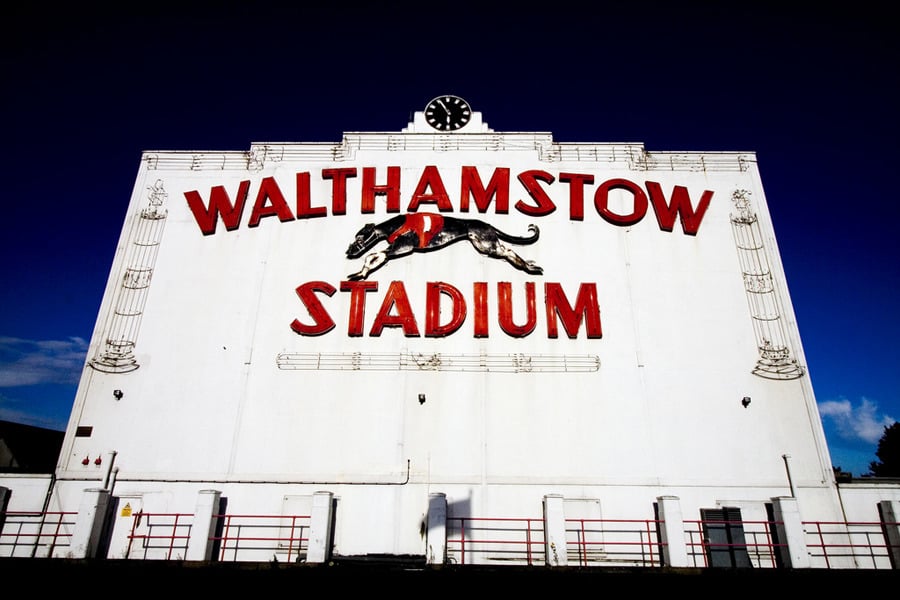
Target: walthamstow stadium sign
(423,224)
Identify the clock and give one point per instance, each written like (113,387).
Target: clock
(448,113)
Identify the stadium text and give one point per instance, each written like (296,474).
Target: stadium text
(534,186)
(443,299)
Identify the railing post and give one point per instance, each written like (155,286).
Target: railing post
(791,536)
(555,552)
(890,523)
(4,504)
(436,532)
(89,523)
(200,543)
(319,549)
(674,548)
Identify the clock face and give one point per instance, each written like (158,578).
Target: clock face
(448,113)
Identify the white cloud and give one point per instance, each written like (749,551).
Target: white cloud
(35,362)
(860,422)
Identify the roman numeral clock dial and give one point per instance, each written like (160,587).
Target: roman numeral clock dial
(448,113)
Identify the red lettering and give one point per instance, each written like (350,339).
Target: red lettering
(576,193)
(497,187)
(433,293)
(680,205)
(545,204)
(391,189)
(480,308)
(338,188)
(322,321)
(474,195)
(585,304)
(601,202)
(219,203)
(431,178)
(395,297)
(269,191)
(357,315)
(395,310)
(505,314)
(304,210)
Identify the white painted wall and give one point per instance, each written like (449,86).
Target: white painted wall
(210,408)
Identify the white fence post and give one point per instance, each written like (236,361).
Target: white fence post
(890,522)
(89,523)
(319,550)
(436,533)
(674,548)
(791,537)
(200,544)
(555,550)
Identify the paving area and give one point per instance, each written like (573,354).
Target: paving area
(174,576)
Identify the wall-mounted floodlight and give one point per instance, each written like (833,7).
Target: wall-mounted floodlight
(118,394)
(745,402)
(421,398)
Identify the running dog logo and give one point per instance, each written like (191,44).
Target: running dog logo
(424,232)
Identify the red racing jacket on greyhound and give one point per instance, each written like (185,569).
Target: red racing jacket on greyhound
(424,225)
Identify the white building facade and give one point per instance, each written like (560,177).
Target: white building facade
(630,355)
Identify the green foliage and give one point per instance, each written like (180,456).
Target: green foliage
(888,453)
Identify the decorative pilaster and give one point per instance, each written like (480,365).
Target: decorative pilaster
(775,360)
(117,354)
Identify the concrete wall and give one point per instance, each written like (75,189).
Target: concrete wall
(215,382)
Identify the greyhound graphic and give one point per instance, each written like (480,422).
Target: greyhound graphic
(424,232)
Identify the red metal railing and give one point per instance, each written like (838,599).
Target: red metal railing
(855,544)
(165,534)
(595,542)
(758,542)
(495,539)
(35,534)
(470,540)
(590,542)
(263,536)
(242,537)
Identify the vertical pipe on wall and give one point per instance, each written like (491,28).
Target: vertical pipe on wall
(111,459)
(787,467)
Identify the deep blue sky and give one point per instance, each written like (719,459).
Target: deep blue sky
(814,93)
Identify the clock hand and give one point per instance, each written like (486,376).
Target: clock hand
(446,110)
